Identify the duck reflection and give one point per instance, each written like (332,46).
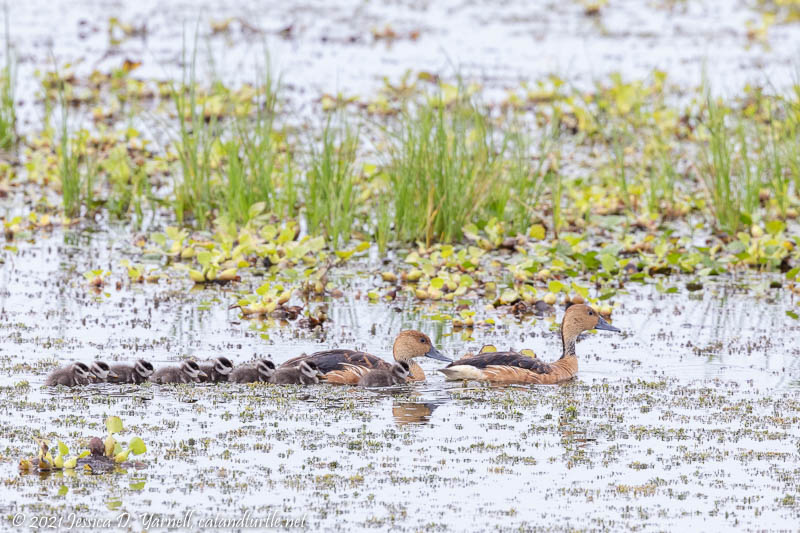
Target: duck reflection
(406,412)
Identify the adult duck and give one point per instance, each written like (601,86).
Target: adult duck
(513,367)
(346,367)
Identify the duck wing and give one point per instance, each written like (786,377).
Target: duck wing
(333,360)
(511,359)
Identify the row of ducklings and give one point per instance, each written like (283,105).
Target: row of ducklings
(217,370)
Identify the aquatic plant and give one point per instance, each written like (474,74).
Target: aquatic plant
(109,449)
(8,82)
(331,181)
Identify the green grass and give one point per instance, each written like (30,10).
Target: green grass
(192,190)
(331,181)
(8,80)
(445,160)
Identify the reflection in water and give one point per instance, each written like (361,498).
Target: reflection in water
(412,412)
(417,412)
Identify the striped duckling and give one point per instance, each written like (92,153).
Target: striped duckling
(136,373)
(216,370)
(187,372)
(514,367)
(342,366)
(261,370)
(69,376)
(303,373)
(381,377)
(101,372)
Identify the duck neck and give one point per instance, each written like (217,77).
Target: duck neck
(415,372)
(568,343)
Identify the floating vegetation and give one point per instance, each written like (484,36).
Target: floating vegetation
(196,204)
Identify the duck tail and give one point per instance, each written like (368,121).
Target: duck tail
(463,373)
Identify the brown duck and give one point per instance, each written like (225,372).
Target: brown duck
(342,366)
(513,367)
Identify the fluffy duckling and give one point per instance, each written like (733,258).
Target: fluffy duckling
(69,376)
(381,377)
(101,372)
(186,372)
(261,370)
(137,373)
(304,373)
(513,367)
(342,366)
(216,370)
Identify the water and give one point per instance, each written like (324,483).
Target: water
(686,419)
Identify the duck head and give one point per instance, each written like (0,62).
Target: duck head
(144,368)
(223,366)
(81,371)
(410,344)
(191,369)
(101,371)
(400,370)
(577,319)
(265,369)
(309,368)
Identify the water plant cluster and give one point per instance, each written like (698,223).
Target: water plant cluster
(548,190)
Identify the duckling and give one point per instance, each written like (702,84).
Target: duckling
(305,373)
(137,373)
(345,367)
(261,370)
(216,370)
(513,367)
(186,372)
(100,372)
(69,376)
(380,377)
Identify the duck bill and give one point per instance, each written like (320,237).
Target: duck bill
(202,375)
(602,324)
(433,353)
(112,375)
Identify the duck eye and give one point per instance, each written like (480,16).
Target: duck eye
(423,341)
(591,313)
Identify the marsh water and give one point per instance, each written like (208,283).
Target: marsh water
(686,419)
(690,418)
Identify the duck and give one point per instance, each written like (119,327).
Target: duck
(136,373)
(261,370)
(515,367)
(381,377)
(342,366)
(187,372)
(303,373)
(100,372)
(69,376)
(216,370)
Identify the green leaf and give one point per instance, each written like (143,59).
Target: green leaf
(793,273)
(774,227)
(113,424)
(256,209)
(437,283)
(63,490)
(609,262)
(792,314)
(84,453)
(555,286)
(583,291)
(137,446)
(137,486)
(62,449)
(113,504)
(537,232)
